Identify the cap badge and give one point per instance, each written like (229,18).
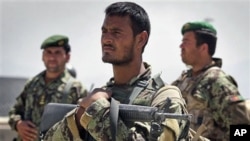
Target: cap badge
(186,26)
(60,43)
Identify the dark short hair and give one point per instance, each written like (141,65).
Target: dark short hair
(139,18)
(208,39)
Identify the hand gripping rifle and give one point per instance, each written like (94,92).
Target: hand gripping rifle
(55,112)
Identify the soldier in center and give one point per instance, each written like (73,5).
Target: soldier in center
(125,33)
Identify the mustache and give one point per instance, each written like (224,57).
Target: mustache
(182,50)
(108,45)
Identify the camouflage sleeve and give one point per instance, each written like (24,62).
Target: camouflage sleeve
(16,112)
(173,127)
(217,87)
(97,122)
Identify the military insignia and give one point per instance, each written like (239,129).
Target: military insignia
(42,100)
(186,26)
(60,43)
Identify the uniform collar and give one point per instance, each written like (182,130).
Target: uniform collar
(216,62)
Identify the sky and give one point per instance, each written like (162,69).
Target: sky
(24,24)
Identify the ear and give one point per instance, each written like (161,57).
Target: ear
(141,39)
(43,56)
(204,48)
(67,57)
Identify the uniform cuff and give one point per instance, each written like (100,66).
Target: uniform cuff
(94,111)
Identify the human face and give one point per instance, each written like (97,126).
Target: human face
(190,53)
(117,40)
(54,59)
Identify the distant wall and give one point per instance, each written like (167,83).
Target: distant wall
(10,88)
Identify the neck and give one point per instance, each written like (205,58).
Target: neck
(49,76)
(124,74)
(197,68)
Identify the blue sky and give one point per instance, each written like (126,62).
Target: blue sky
(26,23)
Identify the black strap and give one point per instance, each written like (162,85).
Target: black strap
(114,111)
(136,91)
(142,84)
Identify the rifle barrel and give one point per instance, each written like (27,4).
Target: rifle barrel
(146,113)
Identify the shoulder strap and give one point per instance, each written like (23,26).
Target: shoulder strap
(142,84)
(66,90)
(137,89)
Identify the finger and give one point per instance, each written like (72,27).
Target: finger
(30,137)
(31,124)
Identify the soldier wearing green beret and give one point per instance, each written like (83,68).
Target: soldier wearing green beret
(205,86)
(54,84)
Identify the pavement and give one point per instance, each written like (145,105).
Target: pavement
(6,134)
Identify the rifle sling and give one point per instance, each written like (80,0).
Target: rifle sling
(114,111)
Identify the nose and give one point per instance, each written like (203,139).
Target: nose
(106,38)
(181,45)
(52,56)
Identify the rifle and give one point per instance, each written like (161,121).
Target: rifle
(54,112)
(146,114)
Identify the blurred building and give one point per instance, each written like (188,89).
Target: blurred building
(10,88)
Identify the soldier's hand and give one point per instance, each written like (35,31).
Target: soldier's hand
(27,130)
(87,101)
(95,95)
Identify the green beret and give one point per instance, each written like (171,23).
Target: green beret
(56,41)
(203,27)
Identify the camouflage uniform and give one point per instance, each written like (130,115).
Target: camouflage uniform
(96,118)
(206,98)
(36,94)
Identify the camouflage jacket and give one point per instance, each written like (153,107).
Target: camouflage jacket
(206,98)
(36,94)
(96,119)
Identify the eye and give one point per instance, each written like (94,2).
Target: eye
(116,32)
(104,31)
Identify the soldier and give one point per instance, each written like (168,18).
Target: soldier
(207,89)
(55,84)
(125,33)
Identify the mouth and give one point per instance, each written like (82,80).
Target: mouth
(52,64)
(182,52)
(107,48)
